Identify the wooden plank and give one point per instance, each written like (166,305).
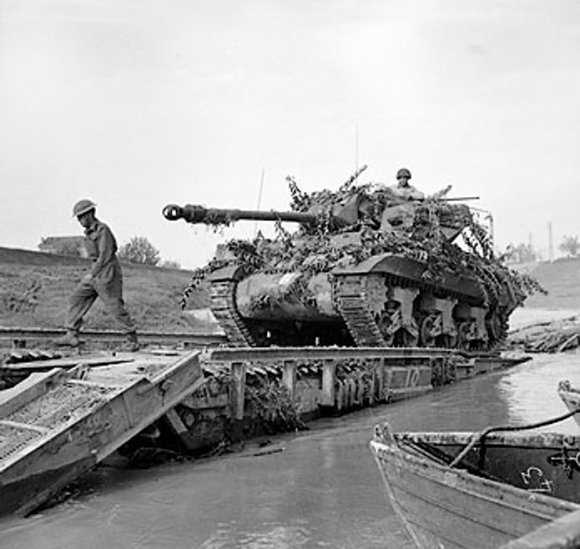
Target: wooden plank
(339,396)
(179,429)
(26,426)
(563,533)
(325,353)
(289,376)
(237,390)
(175,422)
(350,385)
(43,365)
(28,390)
(87,383)
(328,379)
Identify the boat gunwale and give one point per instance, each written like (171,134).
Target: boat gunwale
(418,464)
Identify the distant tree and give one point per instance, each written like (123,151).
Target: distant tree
(170,264)
(570,246)
(521,253)
(139,250)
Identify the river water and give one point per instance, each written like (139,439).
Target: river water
(319,488)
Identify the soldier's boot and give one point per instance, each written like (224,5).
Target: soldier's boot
(132,343)
(70,339)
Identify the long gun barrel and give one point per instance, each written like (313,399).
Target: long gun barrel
(199,214)
(459,198)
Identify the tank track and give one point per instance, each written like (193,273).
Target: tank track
(223,306)
(351,301)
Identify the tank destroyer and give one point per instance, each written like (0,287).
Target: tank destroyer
(364,268)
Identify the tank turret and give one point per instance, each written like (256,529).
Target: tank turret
(364,268)
(357,208)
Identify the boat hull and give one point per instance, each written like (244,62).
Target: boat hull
(445,507)
(571,398)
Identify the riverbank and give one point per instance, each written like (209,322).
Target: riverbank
(544,330)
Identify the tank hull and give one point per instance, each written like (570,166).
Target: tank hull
(384,301)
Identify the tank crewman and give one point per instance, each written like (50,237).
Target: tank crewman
(401,212)
(404,189)
(104,280)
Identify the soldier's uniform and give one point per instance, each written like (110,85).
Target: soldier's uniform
(106,281)
(401,211)
(407,192)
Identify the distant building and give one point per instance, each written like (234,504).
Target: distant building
(64,245)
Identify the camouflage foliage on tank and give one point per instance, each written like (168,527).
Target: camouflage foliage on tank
(365,268)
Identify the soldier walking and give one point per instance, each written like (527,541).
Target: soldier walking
(104,280)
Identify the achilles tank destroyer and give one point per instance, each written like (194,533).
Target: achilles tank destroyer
(364,268)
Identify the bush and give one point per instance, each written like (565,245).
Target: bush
(139,250)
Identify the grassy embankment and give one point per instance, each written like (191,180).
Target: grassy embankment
(34,290)
(561,279)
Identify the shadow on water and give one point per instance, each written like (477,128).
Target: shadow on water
(321,488)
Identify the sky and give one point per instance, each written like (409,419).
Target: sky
(136,104)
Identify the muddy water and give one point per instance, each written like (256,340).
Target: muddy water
(315,489)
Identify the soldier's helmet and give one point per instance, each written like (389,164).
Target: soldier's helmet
(83,206)
(404,172)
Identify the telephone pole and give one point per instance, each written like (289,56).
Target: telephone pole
(550,242)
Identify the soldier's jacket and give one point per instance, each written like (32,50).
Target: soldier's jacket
(102,249)
(407,193)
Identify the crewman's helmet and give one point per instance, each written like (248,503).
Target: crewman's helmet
(83,206)
(404,172)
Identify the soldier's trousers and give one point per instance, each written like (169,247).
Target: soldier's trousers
(111,293)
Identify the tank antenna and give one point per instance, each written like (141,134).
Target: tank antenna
(356,148)
(259,200)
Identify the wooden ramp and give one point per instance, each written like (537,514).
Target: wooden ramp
(56,425)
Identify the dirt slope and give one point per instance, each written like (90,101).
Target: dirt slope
(34,290)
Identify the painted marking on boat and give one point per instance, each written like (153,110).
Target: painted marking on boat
(535,481)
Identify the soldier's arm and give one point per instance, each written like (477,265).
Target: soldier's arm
(107,248)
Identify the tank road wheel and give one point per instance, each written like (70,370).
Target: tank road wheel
(385,324)
(464,335)
(407,337)
(395,332)
(427,331)
(448,341)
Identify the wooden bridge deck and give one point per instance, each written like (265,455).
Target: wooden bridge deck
(56,425)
